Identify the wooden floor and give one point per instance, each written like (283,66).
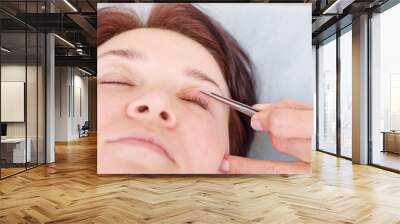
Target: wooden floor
(10,171)
(387,159)
(70,191)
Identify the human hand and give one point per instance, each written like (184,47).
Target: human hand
(289,125)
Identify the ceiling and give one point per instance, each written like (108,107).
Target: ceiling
(75,22)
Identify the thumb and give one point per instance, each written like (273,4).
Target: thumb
(243,165)
(240,165)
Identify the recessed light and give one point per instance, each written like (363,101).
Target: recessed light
(64,40)
(5,50)
(70,5)
(84,71)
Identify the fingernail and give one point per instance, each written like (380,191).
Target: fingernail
(256,125)
(259,106)
(225,166)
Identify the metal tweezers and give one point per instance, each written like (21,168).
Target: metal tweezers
(243,108)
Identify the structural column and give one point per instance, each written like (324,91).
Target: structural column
(50,92)
(360,90)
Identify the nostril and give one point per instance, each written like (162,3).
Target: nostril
(164,115)
(142,108)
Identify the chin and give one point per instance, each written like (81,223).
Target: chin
(109,167)
(132,160)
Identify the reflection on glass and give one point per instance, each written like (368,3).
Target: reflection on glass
(346,94)
(31,100)
(22,90)
(386,89)
(327,96)
(395,101)
(41,99)
(14,146)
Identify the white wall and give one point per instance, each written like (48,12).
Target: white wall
(62,81)
(33,127)
(70,83)
(17,73)
(79,117)
(14,73)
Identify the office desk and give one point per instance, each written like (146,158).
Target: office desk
(391,141)
(13,150)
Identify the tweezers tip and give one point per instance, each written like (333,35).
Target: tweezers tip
(204,92)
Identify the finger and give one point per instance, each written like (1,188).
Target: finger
(242,165)
(262,106)
(297,147)
(293,104)
(284,123)
(284,104)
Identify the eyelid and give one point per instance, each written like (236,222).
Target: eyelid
(197,96)
(115,79)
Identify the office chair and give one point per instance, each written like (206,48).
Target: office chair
(84,130)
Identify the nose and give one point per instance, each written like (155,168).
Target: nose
(154,108)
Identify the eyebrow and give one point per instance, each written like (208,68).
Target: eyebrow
(199,75)
(132,54)
(124,53)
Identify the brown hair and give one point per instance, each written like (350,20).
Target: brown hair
(189,21)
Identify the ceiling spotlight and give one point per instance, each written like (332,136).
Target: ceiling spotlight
(84,71)
(64,40)
(5,50)
(70,5)
(337,7)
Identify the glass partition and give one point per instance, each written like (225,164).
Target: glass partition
(327,96)
(31,100)
(33,65)
(41,107)
(22,90)
(346,93)
(385,89)
(13,103)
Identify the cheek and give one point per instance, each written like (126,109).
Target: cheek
(206,143)
(110,107)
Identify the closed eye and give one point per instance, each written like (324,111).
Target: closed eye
(197,100)
(116,83)
(116,79)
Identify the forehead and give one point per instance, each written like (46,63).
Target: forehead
(167,49)
(163,44)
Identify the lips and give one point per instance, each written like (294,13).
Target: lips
(142,138)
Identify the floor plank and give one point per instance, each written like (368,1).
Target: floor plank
(70,191)
(387,159)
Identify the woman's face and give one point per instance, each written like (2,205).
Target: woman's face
(151,116)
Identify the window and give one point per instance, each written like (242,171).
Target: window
(327,96)
(346,93)
(385,89)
